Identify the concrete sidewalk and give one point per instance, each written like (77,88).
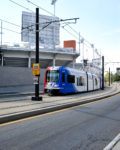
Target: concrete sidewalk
(4,90)
(117,146)
(20,106)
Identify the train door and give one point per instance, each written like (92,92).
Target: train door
(90,82)
(93,81)
(70,83)
(63,79)
(63,82)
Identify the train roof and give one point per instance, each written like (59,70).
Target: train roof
(72,70)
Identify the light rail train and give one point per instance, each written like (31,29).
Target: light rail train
(64,80)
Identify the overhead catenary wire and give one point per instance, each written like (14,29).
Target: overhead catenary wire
(45,11)
(10,23)
(53,15)
(70,33)
(86,42)
(40,7)
(21,5)
(11,30)
(49,22)
(50,14)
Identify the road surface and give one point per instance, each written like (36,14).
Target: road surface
(87,127)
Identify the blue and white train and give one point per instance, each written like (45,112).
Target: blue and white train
(64,80)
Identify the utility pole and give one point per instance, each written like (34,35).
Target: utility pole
(82,41)
(83,48)
(79,42)
(53,3)
(92,45)
(109,77)
(1,33)
(37,97)
(102,72)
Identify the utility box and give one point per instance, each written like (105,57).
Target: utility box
(36,69)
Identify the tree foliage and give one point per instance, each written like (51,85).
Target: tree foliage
(114,77)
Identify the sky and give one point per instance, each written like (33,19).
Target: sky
(99,24)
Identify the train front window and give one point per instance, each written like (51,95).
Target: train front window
(52,76)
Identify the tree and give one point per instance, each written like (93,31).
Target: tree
(107,77)
(116,77)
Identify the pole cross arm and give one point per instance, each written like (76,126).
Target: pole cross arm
(49,22)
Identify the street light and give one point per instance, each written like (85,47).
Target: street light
(1,33)
(53,3)
(82,41)
(92,45)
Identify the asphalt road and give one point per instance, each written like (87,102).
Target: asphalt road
(88,127)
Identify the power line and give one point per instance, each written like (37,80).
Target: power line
(40,7)
(11,30)
(10,23)
(20,5)
(73,30)
(53,15)
(50,14)
(70,33)
(45,11)
(113,62)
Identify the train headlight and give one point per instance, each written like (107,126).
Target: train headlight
(55,85)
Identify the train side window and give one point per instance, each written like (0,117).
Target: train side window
(47,76)
(63,77)
(71,79)
(80,81)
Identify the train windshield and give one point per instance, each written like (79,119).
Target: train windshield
(52,76)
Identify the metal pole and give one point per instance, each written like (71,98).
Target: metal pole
(54,38)
(83,50)
(83,54)
(79,43)
(93,53)
(1,33)
(37,49)
(102,72)
(109,76)
(54,9)
(37,55)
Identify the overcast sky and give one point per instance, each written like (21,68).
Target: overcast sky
(99,22)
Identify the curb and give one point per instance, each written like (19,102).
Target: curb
(111,145)
(17,116)
(18,94)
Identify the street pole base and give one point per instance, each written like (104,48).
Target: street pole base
(36,98)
